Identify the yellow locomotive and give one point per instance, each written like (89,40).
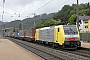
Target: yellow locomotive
(64,36)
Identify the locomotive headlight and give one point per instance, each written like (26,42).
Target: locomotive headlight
(66,38)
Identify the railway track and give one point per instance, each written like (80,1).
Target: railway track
(52,54)
(80,52)
(85,49)
(40,52)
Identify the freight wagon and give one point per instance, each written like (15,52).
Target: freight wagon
(28,34)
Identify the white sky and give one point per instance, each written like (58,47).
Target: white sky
(26,8)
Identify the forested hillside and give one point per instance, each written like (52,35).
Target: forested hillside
(1,23)
(67,11)
(66,15)
(28,22)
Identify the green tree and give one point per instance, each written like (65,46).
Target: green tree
(47,23)
(67,11)
(20,26)
(51,22)
(39,25)
(71,19)
(57,21)
(64,13)
(88,6)
(83,12)
(14,30)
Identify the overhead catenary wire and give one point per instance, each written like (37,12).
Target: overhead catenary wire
(5,5)
(5,12)
(20,13)
(12,10)
(42,6)
(35,10)
(62,3)
(30,6)
(48,3)
(12,14)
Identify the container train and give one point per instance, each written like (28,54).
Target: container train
(63,36)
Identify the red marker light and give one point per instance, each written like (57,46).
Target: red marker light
(71,38)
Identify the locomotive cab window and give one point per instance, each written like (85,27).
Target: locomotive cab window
(70,30)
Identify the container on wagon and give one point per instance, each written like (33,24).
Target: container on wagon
(16,34)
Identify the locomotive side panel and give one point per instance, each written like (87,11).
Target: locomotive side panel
(47,34)
(59,34)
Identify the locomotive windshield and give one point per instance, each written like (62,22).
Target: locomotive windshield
(70,30)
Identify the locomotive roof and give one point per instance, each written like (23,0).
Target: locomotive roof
(47,27)
(55,26)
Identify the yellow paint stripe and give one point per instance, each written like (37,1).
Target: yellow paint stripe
(20,50)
